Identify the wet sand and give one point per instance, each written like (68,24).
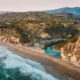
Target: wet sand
(51,64)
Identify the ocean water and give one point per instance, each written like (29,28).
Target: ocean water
(15,67)
(53,53)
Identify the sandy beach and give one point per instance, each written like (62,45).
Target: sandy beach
(50,64)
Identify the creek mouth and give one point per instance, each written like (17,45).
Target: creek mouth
(15,67)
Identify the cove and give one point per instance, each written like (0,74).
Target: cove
(15,67)
(53,53)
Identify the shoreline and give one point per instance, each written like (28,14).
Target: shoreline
(54,64)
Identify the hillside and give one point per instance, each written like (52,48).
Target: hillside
(42,30)
(71,52)
(38,26)
(75,10)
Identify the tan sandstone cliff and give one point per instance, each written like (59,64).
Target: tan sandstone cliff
(71,52)
(9,39)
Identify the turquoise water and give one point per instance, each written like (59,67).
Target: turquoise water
(15,67)
(52,52)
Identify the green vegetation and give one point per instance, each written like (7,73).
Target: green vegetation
(29,26)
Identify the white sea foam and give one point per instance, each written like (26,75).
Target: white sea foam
(26,66)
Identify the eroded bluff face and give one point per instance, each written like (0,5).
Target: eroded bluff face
(71,52)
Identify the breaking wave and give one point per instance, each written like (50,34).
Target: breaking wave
(15,67)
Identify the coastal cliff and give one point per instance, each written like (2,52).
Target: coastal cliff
(12,39)
(42,30)
(71,52)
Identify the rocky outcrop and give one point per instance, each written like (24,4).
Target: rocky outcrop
(71,52)
(10,39)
